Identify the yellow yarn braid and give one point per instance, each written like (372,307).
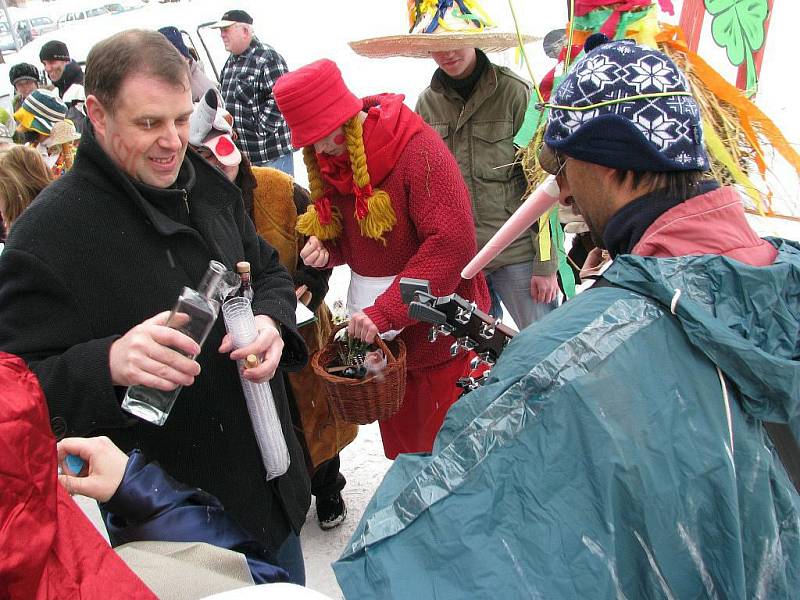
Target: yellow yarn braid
(314,176)
(380,217)
(308,223)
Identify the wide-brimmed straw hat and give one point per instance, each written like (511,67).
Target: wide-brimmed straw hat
(442,26)
(63,132)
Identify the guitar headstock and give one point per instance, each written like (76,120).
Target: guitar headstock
(473,329)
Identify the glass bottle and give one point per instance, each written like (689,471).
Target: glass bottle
(193,314)
(246,290)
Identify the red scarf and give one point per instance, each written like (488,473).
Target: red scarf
(388,127)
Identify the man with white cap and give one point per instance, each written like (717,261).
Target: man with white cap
(246,82)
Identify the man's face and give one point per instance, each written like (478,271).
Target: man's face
(236,38)
(54,68)
(333,144)
(24,87)
(146,136)
(583,187)
(458,64)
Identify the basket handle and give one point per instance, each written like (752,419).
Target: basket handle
(390,358)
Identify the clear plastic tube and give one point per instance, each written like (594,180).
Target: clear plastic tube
(241,325)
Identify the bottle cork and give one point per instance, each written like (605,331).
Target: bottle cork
(251,361)
(243,267)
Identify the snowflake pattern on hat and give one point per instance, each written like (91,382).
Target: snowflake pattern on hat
(617,70)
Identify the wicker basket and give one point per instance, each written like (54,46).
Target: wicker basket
(363,401)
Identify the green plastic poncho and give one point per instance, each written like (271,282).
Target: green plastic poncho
(617,451)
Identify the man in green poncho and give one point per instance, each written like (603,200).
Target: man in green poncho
(618,450)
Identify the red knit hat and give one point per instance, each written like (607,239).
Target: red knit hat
(314,101)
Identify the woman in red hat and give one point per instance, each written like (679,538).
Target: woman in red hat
(388,201)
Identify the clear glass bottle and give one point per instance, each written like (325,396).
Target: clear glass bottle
(193,314)
(245,291)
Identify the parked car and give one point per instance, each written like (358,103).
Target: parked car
(40,25)
(121,7)
(80,15)
(29,28)
(6,39)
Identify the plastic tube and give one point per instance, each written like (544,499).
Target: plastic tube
(526,215)
(241,326)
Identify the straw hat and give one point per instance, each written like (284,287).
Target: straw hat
(63,132)
(439,27)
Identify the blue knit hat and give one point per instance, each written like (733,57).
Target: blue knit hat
(658,129)
(176,39)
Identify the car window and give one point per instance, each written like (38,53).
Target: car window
(4,28)
(41,21)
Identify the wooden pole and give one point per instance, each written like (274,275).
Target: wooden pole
(691,22)
(741,75)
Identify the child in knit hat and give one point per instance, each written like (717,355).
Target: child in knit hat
(389,201)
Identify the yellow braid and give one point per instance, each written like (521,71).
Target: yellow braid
(314,176)
(380,217)
(308,223)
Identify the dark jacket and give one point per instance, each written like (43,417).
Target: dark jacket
(90,259)
(73,74)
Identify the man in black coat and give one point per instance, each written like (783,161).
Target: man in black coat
(112,243)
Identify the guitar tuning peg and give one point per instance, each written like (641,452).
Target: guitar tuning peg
(463,315)
(437,330)
(487,331)
(475,362)
(461,343)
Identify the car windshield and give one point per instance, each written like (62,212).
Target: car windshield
(41,21)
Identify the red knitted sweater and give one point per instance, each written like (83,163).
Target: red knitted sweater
(433,239)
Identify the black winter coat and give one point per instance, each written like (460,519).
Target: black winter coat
(91,258)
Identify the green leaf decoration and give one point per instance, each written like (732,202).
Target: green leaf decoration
(738,26)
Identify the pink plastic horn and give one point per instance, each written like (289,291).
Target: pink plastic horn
(526,215)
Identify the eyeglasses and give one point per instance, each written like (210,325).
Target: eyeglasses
(561,160)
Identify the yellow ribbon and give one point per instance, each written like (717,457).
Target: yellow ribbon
(545,242)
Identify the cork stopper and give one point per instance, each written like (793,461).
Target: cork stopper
(243,267)
(251,361)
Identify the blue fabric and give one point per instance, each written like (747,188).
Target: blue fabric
(290,557)
(283,163)
(650,134)
(151,505)
(597,461)
(176,39)
(512,285)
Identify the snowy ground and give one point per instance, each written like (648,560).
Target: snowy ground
(364,465)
